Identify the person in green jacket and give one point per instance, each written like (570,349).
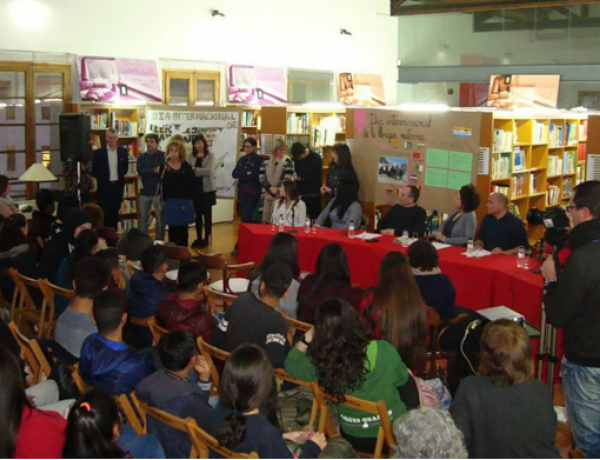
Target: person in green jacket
(338,353)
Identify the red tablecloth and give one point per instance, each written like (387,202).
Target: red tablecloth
(480,283)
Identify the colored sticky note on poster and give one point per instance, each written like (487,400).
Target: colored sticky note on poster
(435,177)
(462,161)
(437,158)
(457,179)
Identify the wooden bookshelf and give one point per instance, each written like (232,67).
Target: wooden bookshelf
(250,122)
(535,160)
(127,121)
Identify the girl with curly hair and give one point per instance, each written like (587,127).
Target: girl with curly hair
(338,353)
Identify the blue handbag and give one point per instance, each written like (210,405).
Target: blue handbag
(177,212)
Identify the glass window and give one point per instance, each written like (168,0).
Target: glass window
(205,92)
(310,86)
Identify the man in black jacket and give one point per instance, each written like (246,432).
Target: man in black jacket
(109,166)
(404,216)
(309,169)
(572,301)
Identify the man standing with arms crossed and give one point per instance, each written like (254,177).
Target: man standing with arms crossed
(572,302)
(149,167)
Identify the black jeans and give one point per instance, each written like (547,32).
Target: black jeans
(203,218)
(178,235)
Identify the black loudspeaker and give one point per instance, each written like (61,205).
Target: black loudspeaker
(75,137)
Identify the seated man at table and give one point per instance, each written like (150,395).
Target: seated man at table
(501,231)
(404,216)
(253,319)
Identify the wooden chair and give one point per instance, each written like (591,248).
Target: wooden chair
(156,330)
(218,302)
(176,252)
(31,352)
(384,434)
(172,421)
(137,420)
(142,322)
(130,267)
(78,380)
(43,316)
(228,282)
(294,325)
(284,376)
(203,442)
(51,291)
(438,327)
(12,306)
(209,352)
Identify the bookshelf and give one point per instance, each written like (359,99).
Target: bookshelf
(250,125)
(535,160)
(126,120)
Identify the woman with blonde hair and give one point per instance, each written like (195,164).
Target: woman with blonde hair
(178,188)
(272,173)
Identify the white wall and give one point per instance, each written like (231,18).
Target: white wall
(285,33)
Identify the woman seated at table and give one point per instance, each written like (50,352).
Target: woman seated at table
(282,249)
(504,412)
(343,209)
(460,226)
(289,205)
(394,310)
(332,280)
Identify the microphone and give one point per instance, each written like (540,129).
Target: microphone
(293,229)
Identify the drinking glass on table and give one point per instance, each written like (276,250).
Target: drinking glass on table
(314,225)
(363,229)
(405,239)
(470,251)
(521,258)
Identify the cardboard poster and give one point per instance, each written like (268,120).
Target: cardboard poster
(361,89)
(509,91)
(248,84)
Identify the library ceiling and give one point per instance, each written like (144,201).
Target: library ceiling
(414,7)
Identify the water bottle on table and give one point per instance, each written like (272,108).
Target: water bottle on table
(281,225)
(522,258)
(307,225)
(404,239)
(470,251)
(351,230)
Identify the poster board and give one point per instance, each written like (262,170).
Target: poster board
(247,84)
(436,151)
(220,126)
(532,91)
(360,89)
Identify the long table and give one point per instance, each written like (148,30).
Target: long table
(480,283)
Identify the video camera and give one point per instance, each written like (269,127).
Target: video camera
(556,222)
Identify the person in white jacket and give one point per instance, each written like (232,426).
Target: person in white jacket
(289,205)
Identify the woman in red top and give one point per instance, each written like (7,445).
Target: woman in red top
(26,432)
(395,311)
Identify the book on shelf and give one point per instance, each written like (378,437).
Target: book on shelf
(572,131)
(532,183)
(555,135)
(518,185)
(540,132)
(569,162)
(126,127)
(580,174)
(567,188)
(96,141)
(250,118)
(325,132)
(519,159)
(501,189)
(552,195)
(129,189)
(127,224)
(555,165)
(583,127)
(131,169)
(128,206)
(515,209)
(503,140)
(298,123)
(582,152)
(99,120)
(501,166)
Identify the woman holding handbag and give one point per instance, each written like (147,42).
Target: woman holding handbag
(178,192)
(203,163)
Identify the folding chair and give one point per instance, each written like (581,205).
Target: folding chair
(229,283)
(217,302)
(130,267)
(31,352)
(209,352)
(204,442)
(384,433)
(439,326)
(172,421)
(43,316)
(294,325)
(176,252)
(128,405)
(51,291)
(78,380)
(156,330)
(284,376)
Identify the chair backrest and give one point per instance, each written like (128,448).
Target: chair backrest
(294,325)
(11,273)
(203,442)
(156,330)
(78,380)
(283,375)
(130,267)
(438,326)
(176,252)
(31,352)
(218,302)
(214,260)
(384,434)
(137,420)
(51,291)
(143,322)
(231,271)
(42,316)
(210,354)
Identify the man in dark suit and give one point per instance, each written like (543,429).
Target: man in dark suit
(109,167)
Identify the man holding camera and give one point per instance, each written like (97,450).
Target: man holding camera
(572,301)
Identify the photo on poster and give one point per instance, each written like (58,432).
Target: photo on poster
(393,170)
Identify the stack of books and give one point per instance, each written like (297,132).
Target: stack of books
(502,141)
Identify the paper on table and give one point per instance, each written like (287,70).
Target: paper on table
(478,253)
(462,161)
(457,179)
(439,246)
(437,158)
(435,177)
(368,236)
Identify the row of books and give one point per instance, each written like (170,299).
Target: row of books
(126,127)
(580,174)
(128,206)
(552,195)
(298,123)
(540,132)
(518,185)
(250,118)
(500,189)
(519,159)
(129,190)
(569,162)
(572,129)
(501,166)
(503,140)
(132,169)
(555,165)
(555,136)
(533,183)
(567,188)
(99,120)
(325,132)
(127,224)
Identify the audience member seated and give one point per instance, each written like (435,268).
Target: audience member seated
(404,216)
(7,204)
(501,231)
(76,323)
(247,396)
(62,244)
(43,217)
(428,433)
(503,411)
(253,319)
(460,226)
(27,432)
(395,311)
(15,251)
(282,249)
(332,280)
(106,362)
(133,243)
(182,388)
(185,310)
(96,216)
(110,257)
(289,206)
(145,291)
(343,209)
(64,204)
(94,430)
(339,354)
